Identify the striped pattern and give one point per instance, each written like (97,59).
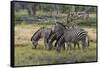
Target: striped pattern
(74,35)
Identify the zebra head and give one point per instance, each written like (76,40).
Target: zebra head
(35,43)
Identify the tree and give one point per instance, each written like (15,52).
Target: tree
(34,9)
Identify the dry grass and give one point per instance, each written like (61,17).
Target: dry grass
(92,33)
(25,55)
(23,33)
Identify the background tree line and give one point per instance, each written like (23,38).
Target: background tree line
(71,12)
(33,7)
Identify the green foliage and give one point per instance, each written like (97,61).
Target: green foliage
(52,10)
(32,7)
(65,9)
(91,21)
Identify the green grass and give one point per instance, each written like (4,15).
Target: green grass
(28,56)
(25,55)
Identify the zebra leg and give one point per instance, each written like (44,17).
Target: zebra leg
(60,42)
(74,45)
(63,45)
(78,45)
(45,43)
(34,47)
(50,41)
(55,44)
(68,46)
(83,44)
(87,41)
(58,48)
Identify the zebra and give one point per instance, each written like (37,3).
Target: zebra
(73,36)
(57,33)
(58,30)
(42,32)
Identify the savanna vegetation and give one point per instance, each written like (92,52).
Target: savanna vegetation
(25,55)
(29,17)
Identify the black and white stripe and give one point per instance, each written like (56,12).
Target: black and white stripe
(74,35)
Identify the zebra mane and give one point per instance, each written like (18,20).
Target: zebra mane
(61,24)
(37,32)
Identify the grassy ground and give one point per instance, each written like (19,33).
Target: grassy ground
(25,55)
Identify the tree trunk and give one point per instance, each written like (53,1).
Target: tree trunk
(34,9)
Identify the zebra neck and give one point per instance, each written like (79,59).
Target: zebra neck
(37,37)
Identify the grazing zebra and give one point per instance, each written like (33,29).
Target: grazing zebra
(57,33)
(41,33)
(73,36)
